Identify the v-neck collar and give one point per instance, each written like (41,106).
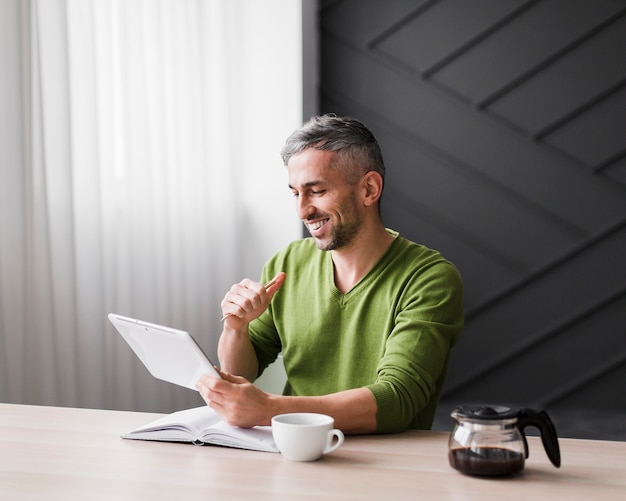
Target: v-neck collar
(344,297)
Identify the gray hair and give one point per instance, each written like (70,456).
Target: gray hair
(358,152)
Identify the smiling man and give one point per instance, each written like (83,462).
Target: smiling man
(365,318)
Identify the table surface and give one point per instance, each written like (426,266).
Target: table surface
(64,453)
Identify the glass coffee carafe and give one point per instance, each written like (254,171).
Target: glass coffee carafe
(490,440)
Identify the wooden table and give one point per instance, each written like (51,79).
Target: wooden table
(62,453)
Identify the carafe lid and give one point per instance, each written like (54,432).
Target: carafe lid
(485,412)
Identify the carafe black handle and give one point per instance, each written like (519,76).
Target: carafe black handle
(541,420)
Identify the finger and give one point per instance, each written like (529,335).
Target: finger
(229,308)
(204,392)
(207,379)
(243,298)
(205,386)
(232,309)
(227,314)
(211,394)
(246,295)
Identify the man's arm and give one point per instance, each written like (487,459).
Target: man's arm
(236,353)
(240,403)
(243,303)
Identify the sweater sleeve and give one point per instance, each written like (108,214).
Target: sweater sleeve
(427,322)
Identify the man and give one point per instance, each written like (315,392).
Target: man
(365,318)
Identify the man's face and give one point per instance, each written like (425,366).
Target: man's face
(325,202)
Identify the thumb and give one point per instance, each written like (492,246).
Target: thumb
(231,378)
(276,283)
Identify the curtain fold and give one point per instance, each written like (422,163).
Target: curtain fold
(134,128)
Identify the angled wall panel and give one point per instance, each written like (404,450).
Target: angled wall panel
(503,125)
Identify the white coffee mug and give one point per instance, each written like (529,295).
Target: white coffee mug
(305,436)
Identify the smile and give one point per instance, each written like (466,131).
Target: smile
(317,225)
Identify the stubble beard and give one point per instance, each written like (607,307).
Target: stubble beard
(340,237)
(342,234)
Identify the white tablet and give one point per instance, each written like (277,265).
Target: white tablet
(169,354)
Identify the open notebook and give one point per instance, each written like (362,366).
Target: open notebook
(202,425)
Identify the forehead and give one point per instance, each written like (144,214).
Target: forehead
(312,166)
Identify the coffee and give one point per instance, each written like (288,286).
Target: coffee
(486,461)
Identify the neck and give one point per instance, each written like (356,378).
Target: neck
(352,263)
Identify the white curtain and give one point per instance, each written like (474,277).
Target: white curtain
(140,175)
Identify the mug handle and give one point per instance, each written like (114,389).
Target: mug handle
(335,436)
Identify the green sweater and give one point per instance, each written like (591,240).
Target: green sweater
(392,332)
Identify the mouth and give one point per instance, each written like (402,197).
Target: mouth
(315,226)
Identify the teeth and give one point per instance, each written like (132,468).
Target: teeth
(319,224)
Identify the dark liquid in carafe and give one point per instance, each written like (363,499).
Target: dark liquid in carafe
(486,461)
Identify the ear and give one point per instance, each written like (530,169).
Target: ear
(372,186)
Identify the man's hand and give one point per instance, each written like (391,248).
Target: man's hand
(246,300)
(236,400)
(240,403)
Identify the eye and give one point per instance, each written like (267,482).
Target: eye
(318,192)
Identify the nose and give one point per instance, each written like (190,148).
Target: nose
(304,207)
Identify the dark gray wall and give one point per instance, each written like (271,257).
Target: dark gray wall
(503,124)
